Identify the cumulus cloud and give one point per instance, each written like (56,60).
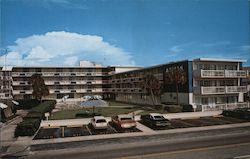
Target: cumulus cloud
(59,48)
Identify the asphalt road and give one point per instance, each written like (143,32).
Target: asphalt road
(219,144)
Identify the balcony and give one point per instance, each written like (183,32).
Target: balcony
(224,106)
(220,90)
(53,74)
(52,91)
(16,92)
(20,83)
(223,73)
(236,89)
(213,90)
(212,73)
(236,73)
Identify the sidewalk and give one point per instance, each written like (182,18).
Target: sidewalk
(20,145)
(7,130)
(192,115)
(85,121)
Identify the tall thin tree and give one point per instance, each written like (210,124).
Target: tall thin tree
(152,86)
(38,85)
(176,75)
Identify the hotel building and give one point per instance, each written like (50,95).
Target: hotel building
(211,84)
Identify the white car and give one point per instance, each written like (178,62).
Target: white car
(99,122)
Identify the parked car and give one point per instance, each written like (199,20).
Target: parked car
(155,119)
(241,113)
(124,121)
(99,122)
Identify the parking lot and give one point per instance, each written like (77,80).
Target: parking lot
(85,130)
(49,133)
(204,121)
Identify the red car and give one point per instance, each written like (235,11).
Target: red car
(124,121)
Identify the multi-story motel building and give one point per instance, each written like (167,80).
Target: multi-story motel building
(211,84)
(75,82)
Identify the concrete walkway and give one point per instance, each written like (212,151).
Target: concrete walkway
(7,139)
(20,145)
(85,121)
(191,115)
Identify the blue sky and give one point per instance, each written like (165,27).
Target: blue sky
(123,32)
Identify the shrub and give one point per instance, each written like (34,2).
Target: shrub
(173,108)
(28,103)
(158,107)
(32,121)
(44,107)
(187,108)
(27,128)
(87,114)
(34,115)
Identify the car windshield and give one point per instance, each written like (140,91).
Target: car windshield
(159,117)
(126,118)
(101,121)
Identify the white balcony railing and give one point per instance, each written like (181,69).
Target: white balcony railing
(223,73)
(236,89)
(213,90)
(236,73)
(52,91)
(212,73)
(16,92)
(21,74)
(224,106)
(78,82)
(220,90)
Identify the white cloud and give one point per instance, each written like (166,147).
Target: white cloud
(217,43)
(49,4)
(54,48)
(71,61)
(245,48)
(176,49)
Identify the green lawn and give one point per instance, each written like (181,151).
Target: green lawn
(114,103)
(122,108)
(106,111)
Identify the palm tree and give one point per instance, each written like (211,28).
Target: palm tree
(39,88)
(152,86)
(176,75)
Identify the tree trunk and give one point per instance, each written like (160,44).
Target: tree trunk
(93,110)
(152,96)
(177,93)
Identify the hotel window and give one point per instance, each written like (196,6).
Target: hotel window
(204,101)
(207,67)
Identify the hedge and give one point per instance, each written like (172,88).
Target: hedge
(87,114)
(34,115)
(238,113)
(44,107)
(27,128)
(187,108)
(173,108)
(32,120)
(28,103)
